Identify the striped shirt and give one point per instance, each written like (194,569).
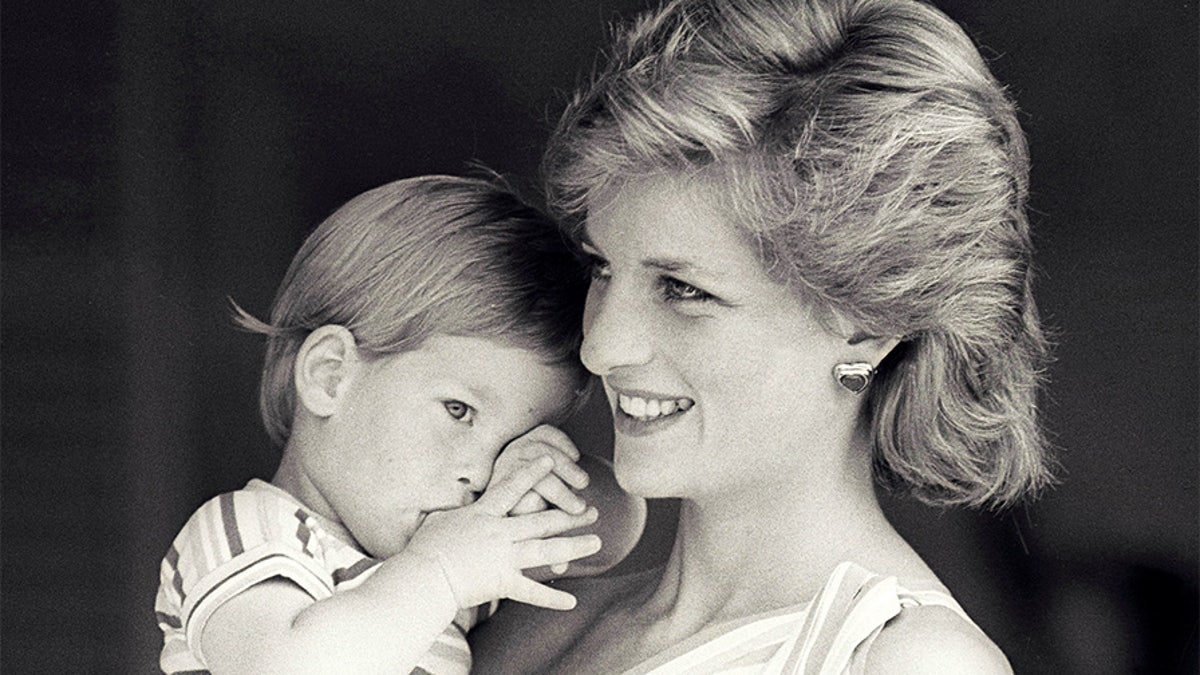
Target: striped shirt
(242,538)
(829,634)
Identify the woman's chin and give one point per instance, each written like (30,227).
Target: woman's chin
(644,476)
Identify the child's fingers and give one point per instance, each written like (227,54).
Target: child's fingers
(555,551)
(500,498)
(554,437)
(531,502)
(553,490)
(570,472)
(548,523)
(539,595)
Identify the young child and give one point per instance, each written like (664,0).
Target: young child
(422,339)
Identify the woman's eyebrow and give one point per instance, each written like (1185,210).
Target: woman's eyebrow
(662,264)
(668,265)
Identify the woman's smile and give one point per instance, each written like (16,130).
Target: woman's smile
(640,414)
(648,409)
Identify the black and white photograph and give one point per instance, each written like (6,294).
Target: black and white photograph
(600,337)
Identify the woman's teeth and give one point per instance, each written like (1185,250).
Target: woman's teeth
(646,409)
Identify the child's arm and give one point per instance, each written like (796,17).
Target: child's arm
(386,623)
(577,480)
(457,559)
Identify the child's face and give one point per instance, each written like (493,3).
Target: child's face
(419,431)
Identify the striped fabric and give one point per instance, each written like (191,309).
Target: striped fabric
(241,538)
(829,634)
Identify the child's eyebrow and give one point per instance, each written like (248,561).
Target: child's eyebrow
(484,393)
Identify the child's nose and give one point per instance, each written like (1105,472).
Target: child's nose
(475,475)
(473,492)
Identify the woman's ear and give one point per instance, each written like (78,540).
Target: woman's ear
(863,356)
(864,347)
(875,349)
(325,364)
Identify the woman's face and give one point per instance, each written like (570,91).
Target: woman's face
(719,377)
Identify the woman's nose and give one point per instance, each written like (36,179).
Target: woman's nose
(615,331)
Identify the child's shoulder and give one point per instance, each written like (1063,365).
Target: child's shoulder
(258,501)
(239,538)
(232,523)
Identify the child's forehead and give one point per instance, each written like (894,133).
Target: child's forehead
(502,354)
(494,370)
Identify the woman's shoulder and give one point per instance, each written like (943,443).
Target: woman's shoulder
(934,639)
(903,621)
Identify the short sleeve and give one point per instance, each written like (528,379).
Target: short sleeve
(232,542)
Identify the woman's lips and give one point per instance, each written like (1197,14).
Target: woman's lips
(641,415)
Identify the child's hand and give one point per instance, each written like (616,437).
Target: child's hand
(554,489)
(482,550)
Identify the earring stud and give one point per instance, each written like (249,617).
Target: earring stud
(854,376)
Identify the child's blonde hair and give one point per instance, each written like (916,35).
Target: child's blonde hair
(418,257)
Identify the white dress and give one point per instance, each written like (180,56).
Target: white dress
(829,634)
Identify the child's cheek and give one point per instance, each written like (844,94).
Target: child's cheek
(392,538)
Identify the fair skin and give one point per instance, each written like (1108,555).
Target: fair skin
(722,394)
(397,449)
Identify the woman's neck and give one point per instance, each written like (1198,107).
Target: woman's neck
(754,550)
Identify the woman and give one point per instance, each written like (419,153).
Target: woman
(810,273)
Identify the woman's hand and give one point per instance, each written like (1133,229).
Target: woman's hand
(482,549)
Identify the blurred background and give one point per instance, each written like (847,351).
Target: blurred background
(159,158)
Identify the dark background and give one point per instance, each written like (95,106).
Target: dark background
(158,157)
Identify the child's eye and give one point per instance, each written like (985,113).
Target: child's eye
(460,411)
(674,290)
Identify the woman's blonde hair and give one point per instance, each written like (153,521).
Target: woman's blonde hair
(870,156)
(424,256)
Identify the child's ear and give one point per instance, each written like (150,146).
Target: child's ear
(325,364)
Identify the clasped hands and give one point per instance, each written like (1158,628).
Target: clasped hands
(515,525)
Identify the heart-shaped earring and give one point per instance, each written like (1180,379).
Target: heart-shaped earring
(854,376)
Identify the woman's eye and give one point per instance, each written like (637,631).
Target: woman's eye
(675,290)
(460,411)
